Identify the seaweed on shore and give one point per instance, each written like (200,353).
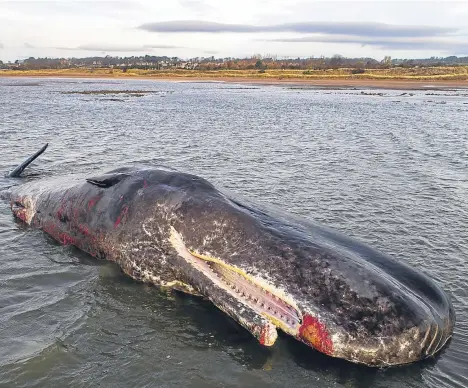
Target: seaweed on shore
(133,93)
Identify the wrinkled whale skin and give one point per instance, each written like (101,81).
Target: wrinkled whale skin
(265,269)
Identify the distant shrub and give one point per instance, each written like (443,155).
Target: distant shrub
(358,71)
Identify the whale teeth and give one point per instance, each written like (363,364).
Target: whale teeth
(255,294)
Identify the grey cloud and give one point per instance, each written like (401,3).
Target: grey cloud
(334,28)
(29,46)
(118,48)
(451,46)
(109,48)
(1,46)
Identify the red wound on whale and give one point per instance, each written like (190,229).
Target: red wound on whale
(21,214)
(314,333)
(121,216)
(66,239)
(61,210)
(262,338)
(92,202)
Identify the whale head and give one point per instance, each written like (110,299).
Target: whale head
(270,272)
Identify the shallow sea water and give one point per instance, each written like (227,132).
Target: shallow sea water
(389,169)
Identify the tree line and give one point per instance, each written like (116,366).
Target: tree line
(211,63)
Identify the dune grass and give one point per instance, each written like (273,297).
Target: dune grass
(396,73)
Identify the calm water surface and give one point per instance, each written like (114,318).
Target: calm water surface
(390,169)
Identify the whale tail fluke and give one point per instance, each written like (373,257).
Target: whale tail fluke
(19,170)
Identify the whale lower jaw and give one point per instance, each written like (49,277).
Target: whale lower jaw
(253,293)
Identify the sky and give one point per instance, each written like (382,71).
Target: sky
(233,28)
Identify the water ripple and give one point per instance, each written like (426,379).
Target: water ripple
(391,174)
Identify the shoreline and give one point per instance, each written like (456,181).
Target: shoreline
(396,84)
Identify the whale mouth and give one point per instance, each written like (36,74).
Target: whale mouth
(261,297)
(17,205)
(23,207)
(19,209)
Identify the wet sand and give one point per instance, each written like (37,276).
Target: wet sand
(399,84)
(351,83)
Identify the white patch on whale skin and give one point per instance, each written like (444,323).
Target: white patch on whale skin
(149,276)
(404,345)
(30,209)
(219,224)
(135,266)
(145,230)
(145,275)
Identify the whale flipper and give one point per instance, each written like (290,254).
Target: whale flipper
(19,170)
(106,180)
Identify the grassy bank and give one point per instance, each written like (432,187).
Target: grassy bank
(397,73)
